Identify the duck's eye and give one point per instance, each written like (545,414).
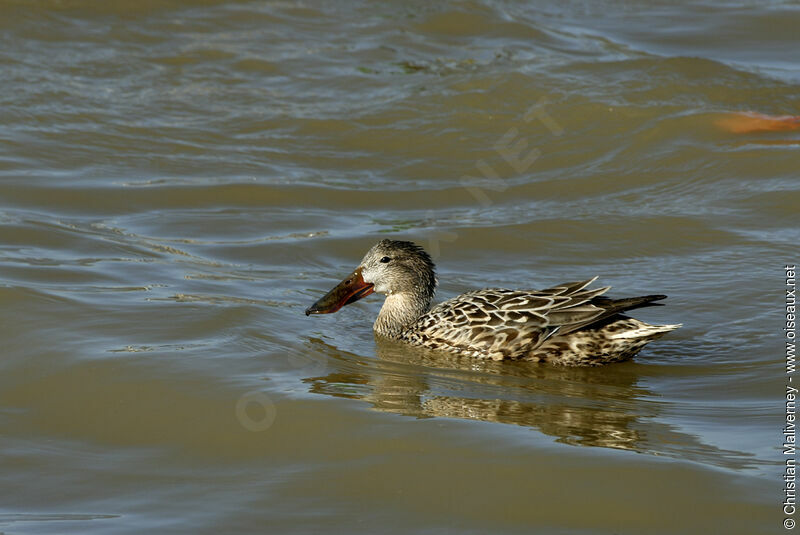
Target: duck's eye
(385,260)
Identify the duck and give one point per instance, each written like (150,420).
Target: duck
(566,325)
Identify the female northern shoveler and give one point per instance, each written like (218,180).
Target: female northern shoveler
(566,325)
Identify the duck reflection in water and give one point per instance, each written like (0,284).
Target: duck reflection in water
(603,407)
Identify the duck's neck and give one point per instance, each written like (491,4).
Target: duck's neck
(400,311)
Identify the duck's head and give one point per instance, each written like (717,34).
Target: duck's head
(390,267)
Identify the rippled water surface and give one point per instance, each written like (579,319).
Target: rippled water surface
(178,181)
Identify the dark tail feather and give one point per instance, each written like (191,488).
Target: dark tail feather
(612,307)
(629,303)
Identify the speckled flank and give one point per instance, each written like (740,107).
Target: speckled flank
(615,341)
(567,325)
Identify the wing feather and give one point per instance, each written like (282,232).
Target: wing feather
(500,323)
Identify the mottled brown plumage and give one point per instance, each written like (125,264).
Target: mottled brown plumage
(568,324)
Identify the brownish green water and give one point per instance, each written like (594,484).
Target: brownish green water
(180,180)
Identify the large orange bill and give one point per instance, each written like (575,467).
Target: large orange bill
(348,291)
